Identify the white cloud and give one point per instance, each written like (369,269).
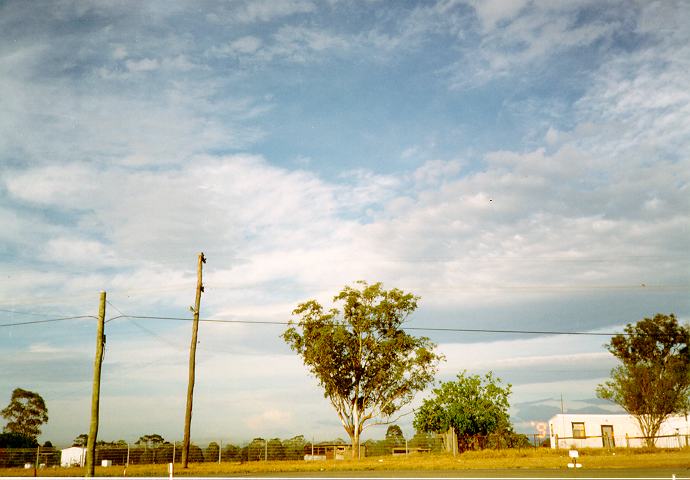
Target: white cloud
(492,12)
(269,420)
(434,171)
(289,43)
(120,53)
(245,45)
(44,348)
(259,11)
(527,37)
(143,65)
(103,190)
(80,252)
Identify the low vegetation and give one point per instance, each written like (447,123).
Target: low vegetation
(544,459)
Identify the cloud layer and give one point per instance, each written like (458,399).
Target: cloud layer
(519,166)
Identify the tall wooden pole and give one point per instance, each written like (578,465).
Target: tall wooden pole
(96,390)
(192,363)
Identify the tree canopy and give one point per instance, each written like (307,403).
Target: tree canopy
(151,441)
(653,380)
(16,440)
(25,413)
(471,405)
(394,436)
(368,366)
(81,440)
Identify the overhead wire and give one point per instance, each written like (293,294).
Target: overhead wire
(284,323)
(18,312)
(287,323)
(434,329)
(47,320)
(141,327)
(116,309)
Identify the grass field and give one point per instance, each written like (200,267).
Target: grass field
(542,460)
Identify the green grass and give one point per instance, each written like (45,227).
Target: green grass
(486,459)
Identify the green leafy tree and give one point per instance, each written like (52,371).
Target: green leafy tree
(231,453)
(25,413)
(256,450)
(81,440)
(471,405)
(212,452)
(653,380)
(394,437)
(376,448)
(150,441)
(276,450)
(294,448)
(16,440)
(196,454)
(368,366)
(424,440)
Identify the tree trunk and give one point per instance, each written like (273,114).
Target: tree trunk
(649,428)
(355,444)
(357,429)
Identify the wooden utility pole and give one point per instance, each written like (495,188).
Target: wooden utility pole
(96,390)
(192,362)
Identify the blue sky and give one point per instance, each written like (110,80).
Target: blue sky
(516,164)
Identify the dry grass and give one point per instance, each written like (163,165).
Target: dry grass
(487,459)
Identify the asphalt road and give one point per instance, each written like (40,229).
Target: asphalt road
(617,473)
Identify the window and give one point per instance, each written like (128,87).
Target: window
(579,430)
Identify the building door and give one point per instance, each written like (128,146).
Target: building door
(607,436)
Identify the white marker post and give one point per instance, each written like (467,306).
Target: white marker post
(574,454)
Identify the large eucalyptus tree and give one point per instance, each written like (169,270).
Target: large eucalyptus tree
(368,366)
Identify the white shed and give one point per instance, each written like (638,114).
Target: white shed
(73,457)
(613,430)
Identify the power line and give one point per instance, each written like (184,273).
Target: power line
(116,309)
(284,323)
(48,320)
(33,314)
(432,329)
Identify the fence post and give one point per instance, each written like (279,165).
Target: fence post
(407,450)
(38,456)
(627,440)
(126,464)
(558,446)
(220,450)
(265,450)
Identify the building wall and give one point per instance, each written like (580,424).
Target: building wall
(626,431)
(73,456)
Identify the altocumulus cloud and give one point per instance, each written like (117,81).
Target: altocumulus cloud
(518,166)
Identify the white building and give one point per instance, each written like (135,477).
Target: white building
(613,430)
(73,457)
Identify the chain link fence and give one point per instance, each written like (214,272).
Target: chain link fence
(259,449)
(299,448)
(33,457)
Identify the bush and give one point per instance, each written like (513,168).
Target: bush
(17,440)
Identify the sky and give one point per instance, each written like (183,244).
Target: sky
(518,165)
